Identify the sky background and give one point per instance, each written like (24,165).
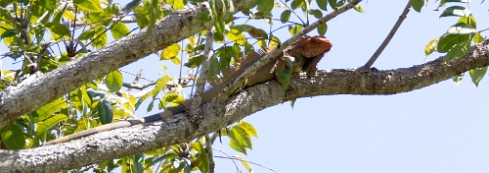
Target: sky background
(440,128)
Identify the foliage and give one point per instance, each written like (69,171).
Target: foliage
(457,40)
(32,29)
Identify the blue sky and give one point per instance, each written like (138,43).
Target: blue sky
(441,128)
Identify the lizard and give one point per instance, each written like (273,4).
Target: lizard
(304,55)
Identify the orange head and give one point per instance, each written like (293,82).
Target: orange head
(313,46)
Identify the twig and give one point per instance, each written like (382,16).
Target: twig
(484,30)
(138,87)
(204,70)
(386,41)
(137,78)
(254,163)
(293,12)
(184,83)
(208,149)
(235,164)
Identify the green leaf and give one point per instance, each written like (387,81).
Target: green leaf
(113,81)
(50,108)
(214,69)
(198,48)
(254,32)
(292,103)
(322,4)
(447,41)
(478,38)
(101,37)
(48,4)
(322,29)
(171,53)
(265,6)
(248,128)
(461,29)
(455,11)
(219,32)
(14,137)
(297,4)
(105,111)
(160,84)
(285,16)
(119,30)
(430,47)
(43,126)
(94,95)
(245,163)
(58,30)
(173,98)
(88,5)
(137,161)
(9,33)
(142,17)
(202,159)
(82,95)
(87,34)
(294,29)
(417,4)
(477,75)
(130,6)
(457,51)
(141,100)
(239,139)
(316,13)
(358,8)
(195,61)
(178,4)
(150,106)
(469,20)
(236,36)
(336,3)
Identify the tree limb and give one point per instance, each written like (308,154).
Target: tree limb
(17,101)
(214,115)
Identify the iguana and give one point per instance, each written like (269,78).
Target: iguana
(303,55)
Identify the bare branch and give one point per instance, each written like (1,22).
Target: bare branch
(138,87)
(204,68)
(389,37)
(78,24)
(236,158)
(183,82)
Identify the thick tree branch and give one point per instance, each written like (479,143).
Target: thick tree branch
(213,116)
(17,101)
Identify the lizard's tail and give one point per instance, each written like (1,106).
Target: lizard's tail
(98,129)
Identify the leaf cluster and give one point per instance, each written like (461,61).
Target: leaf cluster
(456,42)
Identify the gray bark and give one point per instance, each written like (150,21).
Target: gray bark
(216,115)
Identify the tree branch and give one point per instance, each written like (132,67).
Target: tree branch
(389,37)
(17,101)
(213,116)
